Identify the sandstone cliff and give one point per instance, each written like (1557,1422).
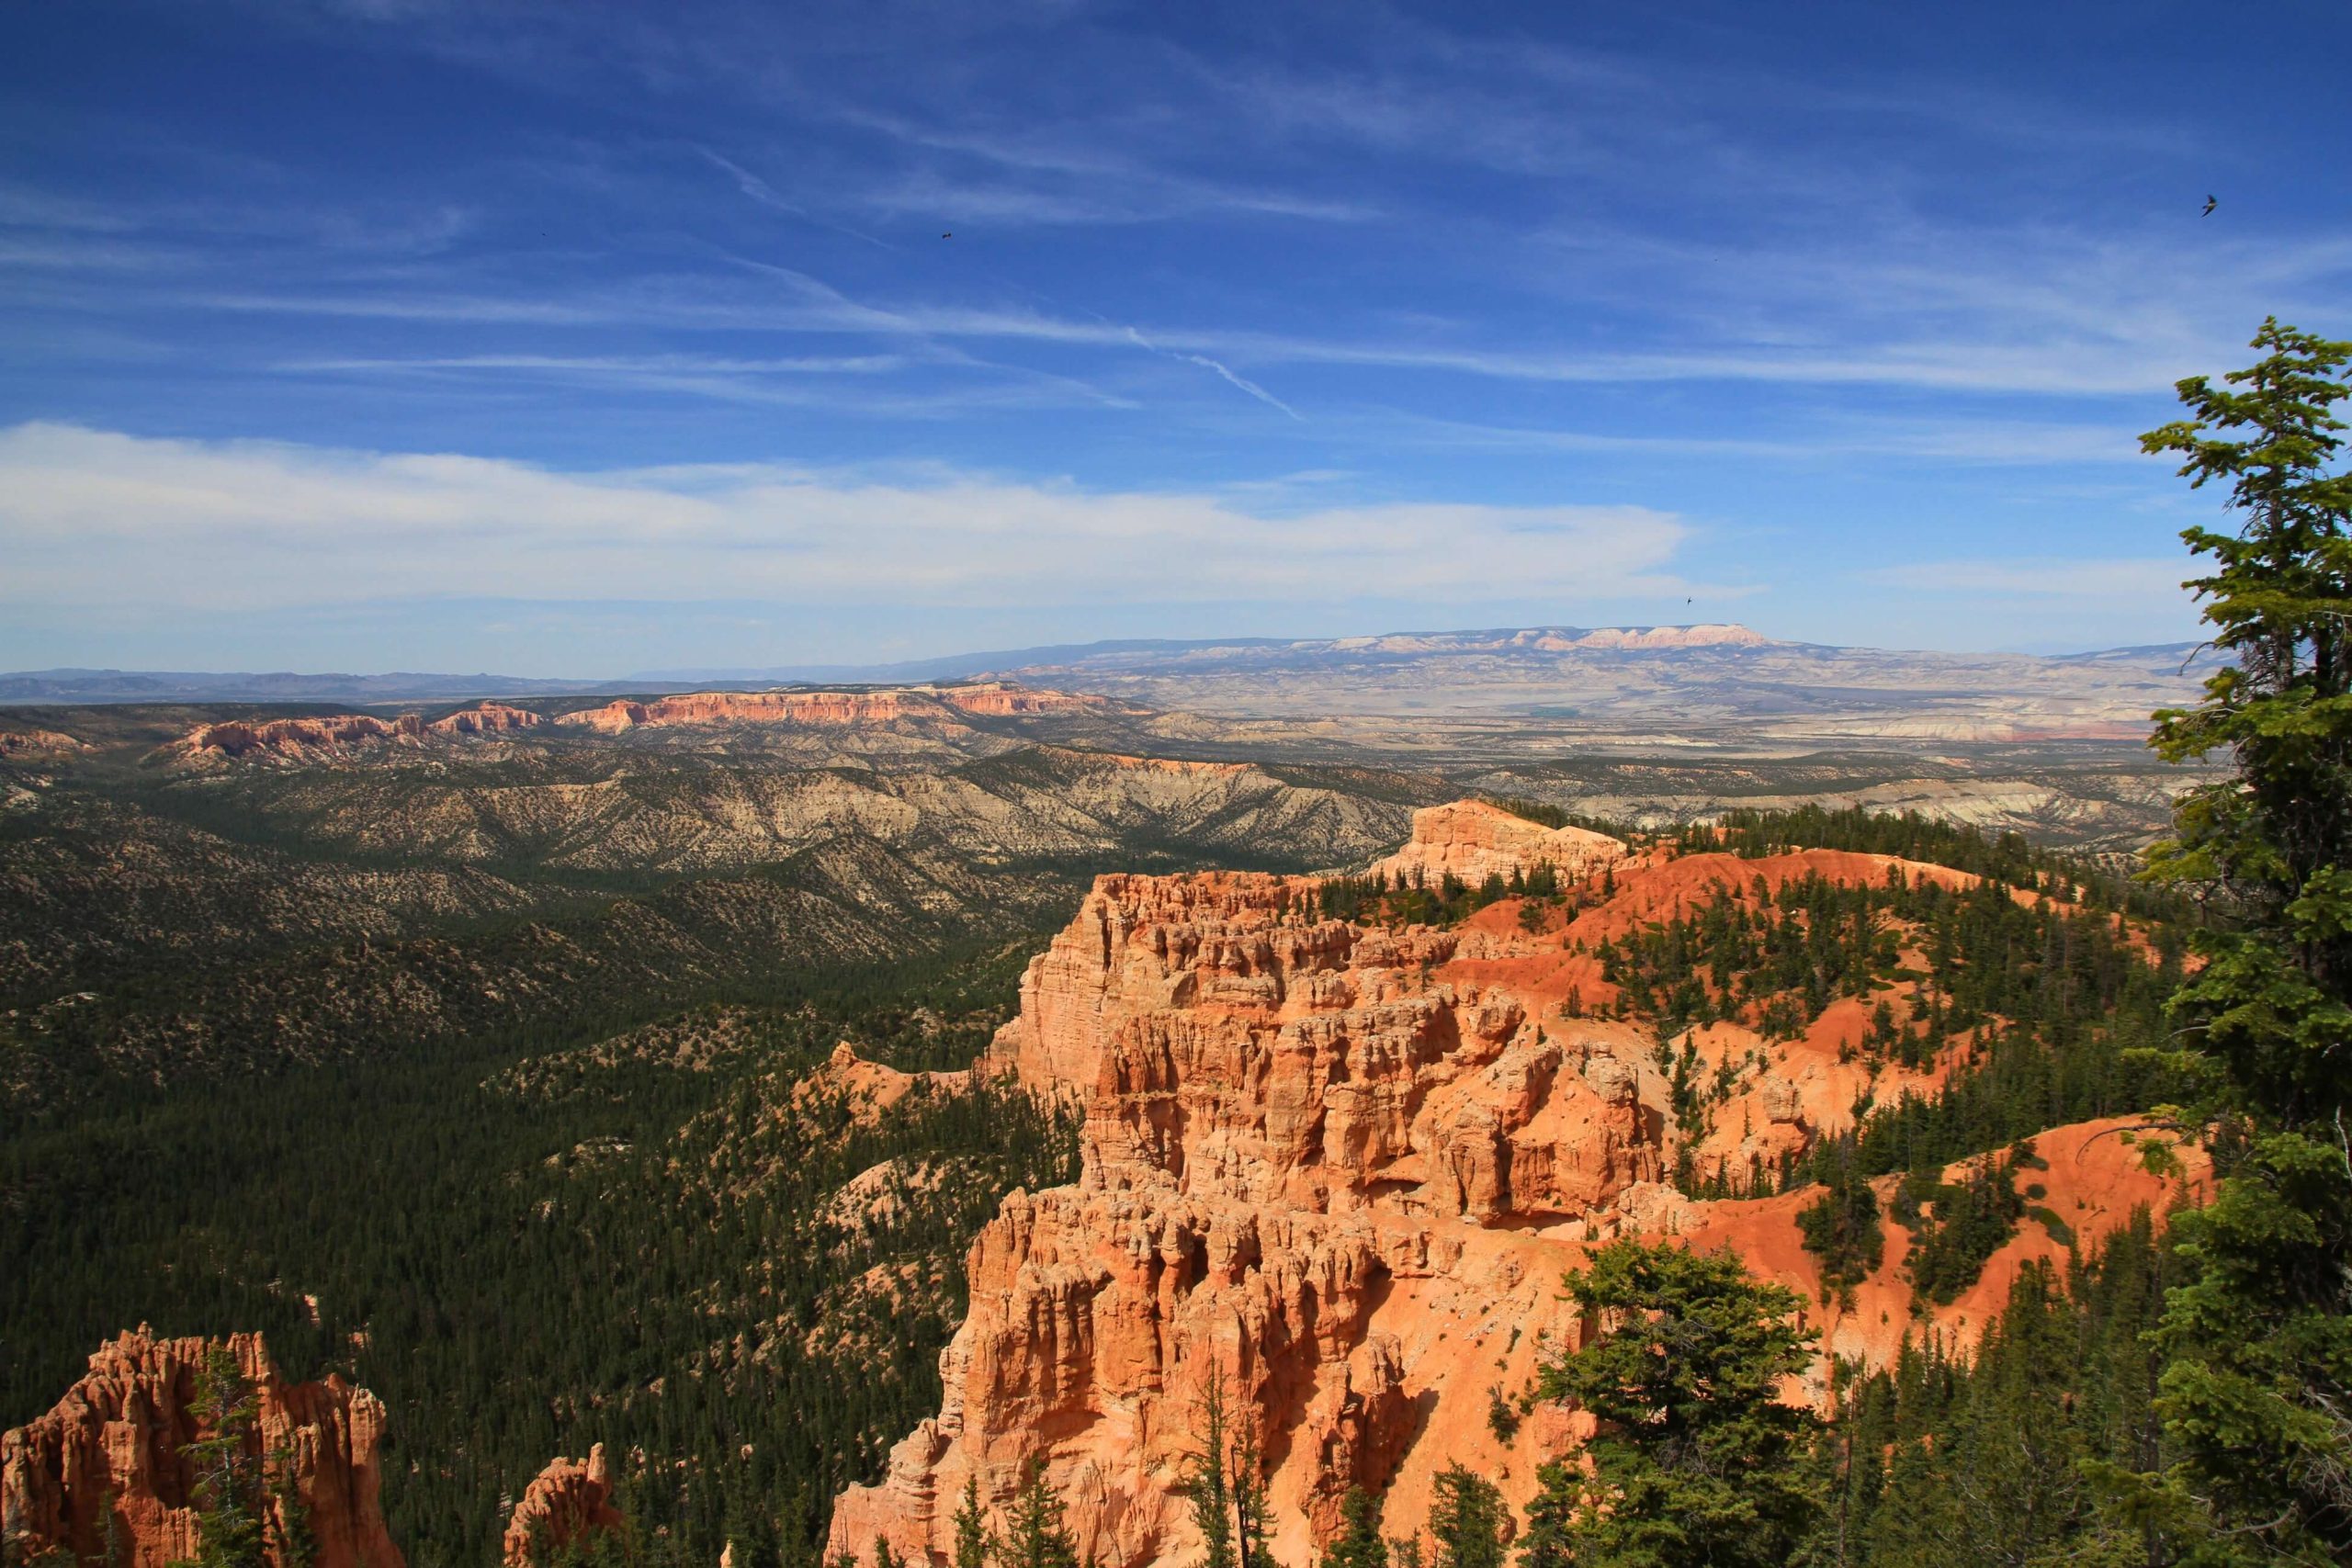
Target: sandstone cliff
(566,1504)
(105,1466)
(1341,1171)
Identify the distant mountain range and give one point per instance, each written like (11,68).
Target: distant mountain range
(79,686)
(1536,650)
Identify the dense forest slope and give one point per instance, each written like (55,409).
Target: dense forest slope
(186,896)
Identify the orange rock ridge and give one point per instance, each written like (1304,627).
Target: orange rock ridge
(1342,1170)
(307,740)
(104,1464)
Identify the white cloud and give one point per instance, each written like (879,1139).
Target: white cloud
(95,517)
(2157,578)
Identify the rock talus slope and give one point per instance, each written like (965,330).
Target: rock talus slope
(101,1476)
(1341,1171)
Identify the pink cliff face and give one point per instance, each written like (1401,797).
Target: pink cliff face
(105,1465)
(1342,1170)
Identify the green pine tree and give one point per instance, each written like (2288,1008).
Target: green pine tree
(231,1532)
(2256,1398)
(1550,1541)
(1466,1520)
(1697,1460)
(1359,1544)
(1208,1481)
(1035,1536)
(976,1544)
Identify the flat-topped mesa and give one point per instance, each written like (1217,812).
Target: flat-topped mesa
(104,1477)
(1473,840)
(878,705)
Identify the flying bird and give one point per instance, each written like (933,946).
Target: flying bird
(2210,205)
(947,236)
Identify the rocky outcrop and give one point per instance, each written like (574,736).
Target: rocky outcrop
(291,739)
(336,736)
(1474,841)
(568,1504)
(102,1476)
(1340,1170)
(39,746)
(486,718)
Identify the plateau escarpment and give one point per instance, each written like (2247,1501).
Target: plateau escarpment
(934,705)
(1337,1166)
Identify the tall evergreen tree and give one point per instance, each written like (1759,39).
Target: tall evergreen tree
(1359,1544)
(1208,1481)
(2258,1395)
(1697,1460)
(231,1532)
(976,1544)
(1467,1519)
(1035,1537)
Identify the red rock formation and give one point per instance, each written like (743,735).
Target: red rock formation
(1003,698)
(291,739)
(486,718)
(1342,1170)
(38,746)
(570,1501)
(106,1462)
(1474,841)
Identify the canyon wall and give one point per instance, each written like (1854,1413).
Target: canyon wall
(1341,1170)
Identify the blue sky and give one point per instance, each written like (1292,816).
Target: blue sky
(576,339)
